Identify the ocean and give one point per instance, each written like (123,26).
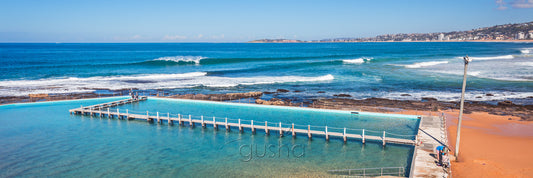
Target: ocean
(404,71)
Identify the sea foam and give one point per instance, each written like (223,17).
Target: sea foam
(491,57)
(143,82)
(184,59)
(425,64)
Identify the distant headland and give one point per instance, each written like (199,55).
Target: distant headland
(497,33)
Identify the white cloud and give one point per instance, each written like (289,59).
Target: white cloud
(516,4)
(522,4)
(174,37)
(200,35)
(501,5)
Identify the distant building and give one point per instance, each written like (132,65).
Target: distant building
(530,34)
(440,37)
(447,38)
(520,36)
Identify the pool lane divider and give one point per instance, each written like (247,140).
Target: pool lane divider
(103,110)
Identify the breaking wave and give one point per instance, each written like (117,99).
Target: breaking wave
(143,82)
(357,61)
(181,59)
(491,57)
(425,64)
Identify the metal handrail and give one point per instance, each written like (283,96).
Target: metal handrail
(371,171)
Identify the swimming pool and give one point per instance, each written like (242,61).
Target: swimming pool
(42,139)
(373,123)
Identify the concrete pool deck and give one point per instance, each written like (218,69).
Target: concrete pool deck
(431,133)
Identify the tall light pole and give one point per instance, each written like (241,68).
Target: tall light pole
(466,60)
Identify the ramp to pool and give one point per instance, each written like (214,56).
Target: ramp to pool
(103,110)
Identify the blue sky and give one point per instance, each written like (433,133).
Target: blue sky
(240,21)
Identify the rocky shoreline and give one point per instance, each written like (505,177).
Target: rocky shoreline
(338,101)
(503,108)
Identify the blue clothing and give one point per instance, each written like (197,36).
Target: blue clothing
(440,148)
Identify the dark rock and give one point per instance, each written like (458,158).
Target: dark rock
(405,95)
(282,91)
(325,92)
(505,103)
(479,97)
(297,91)
(489,94)
(275,99)
(530,97)
(428,99)
(343,95)
(268,92)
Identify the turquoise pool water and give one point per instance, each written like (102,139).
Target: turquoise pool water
(42,139)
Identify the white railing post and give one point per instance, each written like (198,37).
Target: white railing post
(253,129)
(240,128)
(293,133)
(383,138)
(203,124)
(190,121)
(327,137)
(214,123)
(363,136)
(118,114)
(226,122)
(280,131)
(108,113)
(266,127)
(147,117)
(157,116)
(127,114)
(169,120)
(344,135)
(309,131)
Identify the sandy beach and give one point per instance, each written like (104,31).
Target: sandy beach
(492,146)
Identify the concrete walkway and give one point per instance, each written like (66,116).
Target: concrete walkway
(432,133)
